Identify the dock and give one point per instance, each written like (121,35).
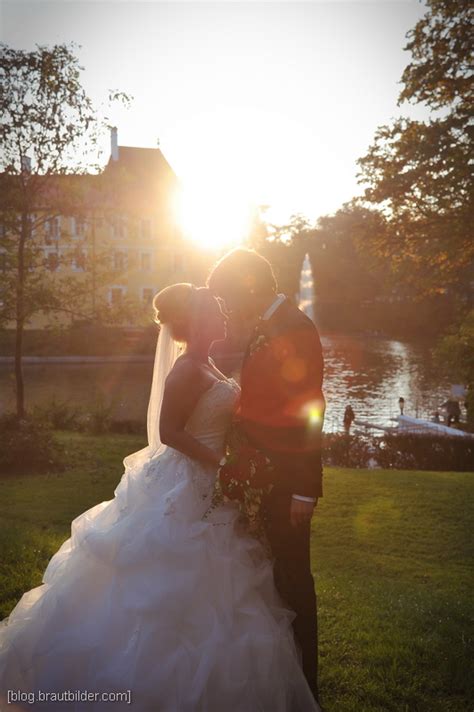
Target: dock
(407,423)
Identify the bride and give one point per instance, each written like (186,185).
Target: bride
(159,602)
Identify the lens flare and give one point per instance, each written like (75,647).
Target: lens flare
(313,413)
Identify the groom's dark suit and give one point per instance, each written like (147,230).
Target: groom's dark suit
(282,411)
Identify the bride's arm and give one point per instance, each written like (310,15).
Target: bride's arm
(183,388)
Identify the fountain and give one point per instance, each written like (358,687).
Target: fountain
(306,294)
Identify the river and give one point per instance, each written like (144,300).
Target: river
(369,372)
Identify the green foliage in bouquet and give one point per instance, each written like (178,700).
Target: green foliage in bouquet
(245,475)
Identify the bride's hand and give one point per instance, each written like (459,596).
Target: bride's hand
(216,460)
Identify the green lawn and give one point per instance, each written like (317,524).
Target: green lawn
(392,558)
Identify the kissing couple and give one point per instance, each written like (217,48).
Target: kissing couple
(166,591)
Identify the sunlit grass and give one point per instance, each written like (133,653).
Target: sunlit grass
(392,557)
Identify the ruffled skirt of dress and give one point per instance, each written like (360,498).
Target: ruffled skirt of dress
(148,596)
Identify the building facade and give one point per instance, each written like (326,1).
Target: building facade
(126,229)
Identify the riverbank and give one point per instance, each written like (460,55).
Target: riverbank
(390,555)
(131,358)
(114,358)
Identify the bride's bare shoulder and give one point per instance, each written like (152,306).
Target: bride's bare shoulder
(183,387)
(187,377)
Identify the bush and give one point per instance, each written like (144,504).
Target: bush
(98,420)
(426,452)
(341,450)
(404,451)
(59,414)
(27,446)
(132,427)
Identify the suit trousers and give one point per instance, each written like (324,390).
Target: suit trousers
(293,578)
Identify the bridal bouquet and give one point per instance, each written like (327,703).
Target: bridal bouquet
(245,475)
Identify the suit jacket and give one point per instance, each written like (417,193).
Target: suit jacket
(282,404)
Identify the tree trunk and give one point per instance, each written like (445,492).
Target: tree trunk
(20,388)
(93,270)
(20,320)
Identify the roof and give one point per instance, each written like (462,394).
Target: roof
(141,160)
(148,179)
(140,181)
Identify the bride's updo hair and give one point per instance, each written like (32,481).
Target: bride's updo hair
(175,305)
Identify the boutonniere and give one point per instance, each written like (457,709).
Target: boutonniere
(258,343)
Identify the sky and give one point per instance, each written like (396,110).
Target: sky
(252,102)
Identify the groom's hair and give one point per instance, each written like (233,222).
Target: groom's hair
(244,269)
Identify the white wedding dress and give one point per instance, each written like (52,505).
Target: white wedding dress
(151,594)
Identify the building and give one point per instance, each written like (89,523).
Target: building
(125,220)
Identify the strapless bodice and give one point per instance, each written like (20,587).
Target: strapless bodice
(212,415)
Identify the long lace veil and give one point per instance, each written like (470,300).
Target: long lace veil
(167,351)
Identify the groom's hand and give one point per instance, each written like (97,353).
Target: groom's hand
(300,511)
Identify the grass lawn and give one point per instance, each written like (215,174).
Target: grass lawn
(392,559)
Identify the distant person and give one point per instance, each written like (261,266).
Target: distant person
(349,417)
(436,417)
(453,411)
(401,404)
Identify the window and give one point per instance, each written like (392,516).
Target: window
(31,222)
(120,260)
(146,228)
(120,226)
(56,227)
(147,295)
(116,295)
(145,261)
(52,261)
(78,262)
(78,227)
(51,230)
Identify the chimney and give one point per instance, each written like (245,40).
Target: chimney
(25,164)
(114,143)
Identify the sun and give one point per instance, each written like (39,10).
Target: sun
(218,163)
(213,214)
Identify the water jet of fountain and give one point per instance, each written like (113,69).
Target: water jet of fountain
(306,294)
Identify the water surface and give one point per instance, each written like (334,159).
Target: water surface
(369,372)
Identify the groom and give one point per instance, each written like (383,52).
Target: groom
(282,412)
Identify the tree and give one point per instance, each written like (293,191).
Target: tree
(48,132)
(419,173)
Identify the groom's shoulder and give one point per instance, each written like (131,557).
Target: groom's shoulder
(291,317)
(294,325)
